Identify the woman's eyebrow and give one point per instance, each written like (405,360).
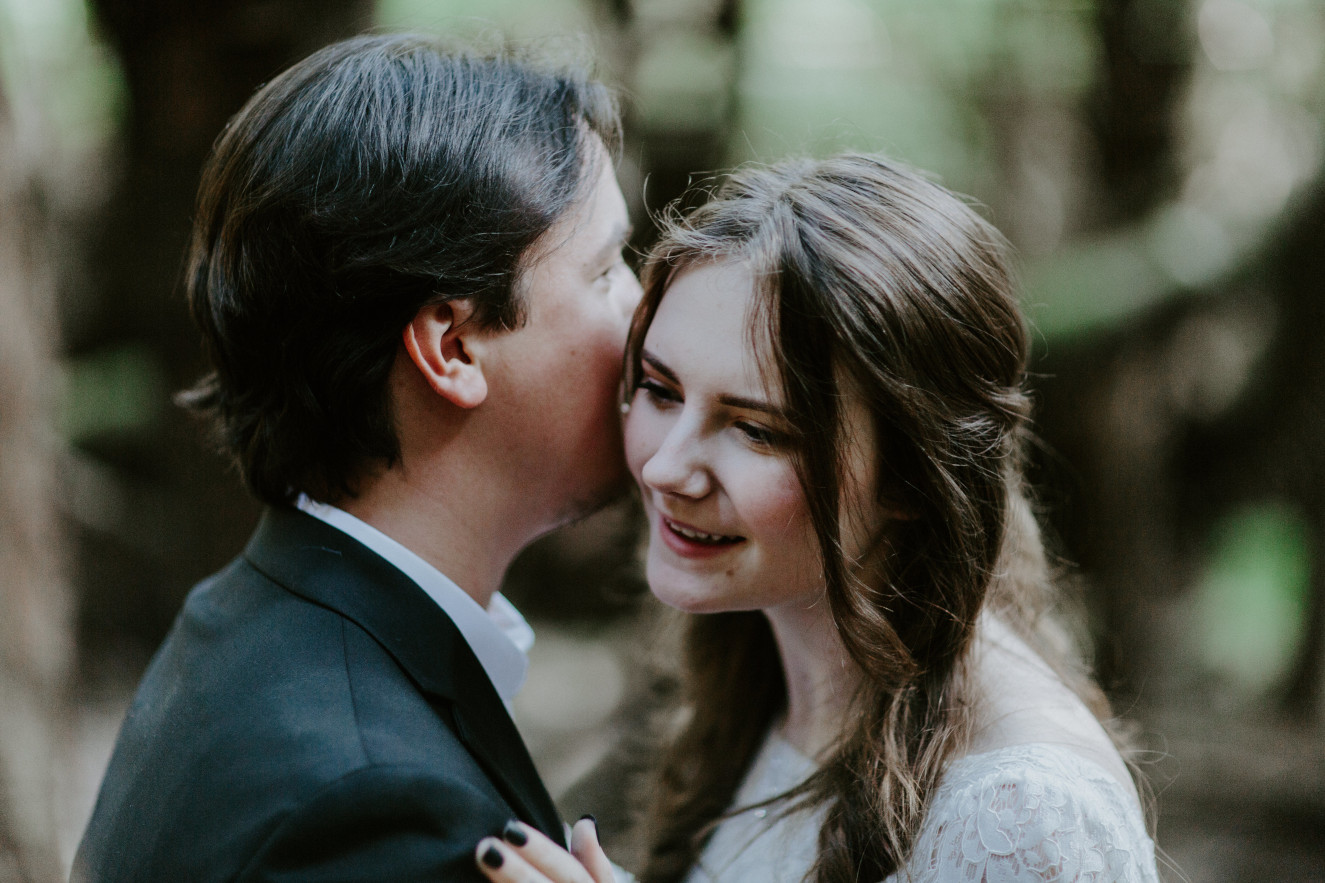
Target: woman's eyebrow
(730,401)
(660,366)
(747,404)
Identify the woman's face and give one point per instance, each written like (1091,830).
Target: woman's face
(729,528)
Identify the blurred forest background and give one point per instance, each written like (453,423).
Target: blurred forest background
(1157,163)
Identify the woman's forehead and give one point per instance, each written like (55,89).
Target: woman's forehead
(708,324)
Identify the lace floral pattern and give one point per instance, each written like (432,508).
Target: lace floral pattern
(1031,813)
(1036,813)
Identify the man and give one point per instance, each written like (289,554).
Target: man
(407,267)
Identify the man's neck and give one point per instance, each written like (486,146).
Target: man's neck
(455,528)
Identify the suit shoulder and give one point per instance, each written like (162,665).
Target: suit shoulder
(399,821)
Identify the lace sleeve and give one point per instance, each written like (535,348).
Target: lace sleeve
(1031,813)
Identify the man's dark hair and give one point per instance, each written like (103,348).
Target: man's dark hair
(379,175)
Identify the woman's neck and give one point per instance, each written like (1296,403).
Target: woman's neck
(821,678)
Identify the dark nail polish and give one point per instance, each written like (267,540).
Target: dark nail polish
(492,857)
(514,834)
(590,817)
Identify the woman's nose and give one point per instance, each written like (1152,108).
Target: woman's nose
(678,466)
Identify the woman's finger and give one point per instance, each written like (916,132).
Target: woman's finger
(585,847)
(524,855)
(501,864)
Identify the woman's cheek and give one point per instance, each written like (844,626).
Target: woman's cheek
(640,432)
(775,504)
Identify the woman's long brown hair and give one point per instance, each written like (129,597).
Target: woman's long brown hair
(872,281)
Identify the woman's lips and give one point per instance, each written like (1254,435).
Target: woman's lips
(691,542)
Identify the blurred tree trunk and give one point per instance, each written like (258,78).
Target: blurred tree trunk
(34,644)
(164,510)
(1146,59)
(1108,403)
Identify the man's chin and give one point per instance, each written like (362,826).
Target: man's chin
(619,488)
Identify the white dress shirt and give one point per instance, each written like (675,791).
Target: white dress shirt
(499,636)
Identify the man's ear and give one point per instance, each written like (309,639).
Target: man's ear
(438,340)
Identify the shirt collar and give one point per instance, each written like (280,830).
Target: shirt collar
(499,636)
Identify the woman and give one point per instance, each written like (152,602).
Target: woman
(826,419)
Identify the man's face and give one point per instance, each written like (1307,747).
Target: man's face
(558,376)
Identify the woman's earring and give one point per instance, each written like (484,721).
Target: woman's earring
(625,408)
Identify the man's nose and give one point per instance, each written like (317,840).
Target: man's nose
(629,296)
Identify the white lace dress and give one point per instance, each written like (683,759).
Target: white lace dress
(1034,812)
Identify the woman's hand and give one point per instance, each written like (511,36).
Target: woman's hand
(524,855)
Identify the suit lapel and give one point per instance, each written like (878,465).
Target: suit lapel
(331,569)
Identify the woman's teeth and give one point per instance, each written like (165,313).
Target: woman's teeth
(700,536)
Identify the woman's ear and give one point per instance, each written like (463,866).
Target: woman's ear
(439,341)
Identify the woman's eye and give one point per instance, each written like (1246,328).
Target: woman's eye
(760,435)
(656,391)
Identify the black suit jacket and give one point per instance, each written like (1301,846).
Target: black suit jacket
(313,715)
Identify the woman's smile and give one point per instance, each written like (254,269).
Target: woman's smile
(691,542)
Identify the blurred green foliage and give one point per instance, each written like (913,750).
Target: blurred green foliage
(1252,600)
(903,76)
(112,392)
(1115,276)
(50,55)
(516,20)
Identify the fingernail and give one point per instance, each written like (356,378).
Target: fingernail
(589,816)
(514,834)
(492,857)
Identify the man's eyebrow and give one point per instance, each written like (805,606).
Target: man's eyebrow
(731,401)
